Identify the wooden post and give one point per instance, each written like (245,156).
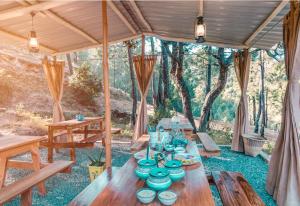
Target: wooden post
(106,86)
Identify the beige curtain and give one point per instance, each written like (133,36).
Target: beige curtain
(283,181)
(241,125)
(143,70)
(54,72)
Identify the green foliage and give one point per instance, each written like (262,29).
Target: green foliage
(161,112)
(85,81)
(98,161)
(221,137)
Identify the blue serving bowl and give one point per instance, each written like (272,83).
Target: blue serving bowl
(167,197)
(145,195)
(79,117)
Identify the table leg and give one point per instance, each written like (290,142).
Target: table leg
(36,160)
(50,146)
(101,128)
(3,163)
(26,198)
(86,128)
(72,150)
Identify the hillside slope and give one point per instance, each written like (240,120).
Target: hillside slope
(24,95)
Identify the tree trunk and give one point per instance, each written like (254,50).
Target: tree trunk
(257,118)
(69,60)
(263,107)
(165,71)
(205,124)
(267,118)
(75,57)
(133,88)
(254,109)
(153,75)
(177,76)
(216,91)
(159,98)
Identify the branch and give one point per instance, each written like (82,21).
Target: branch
(165,44)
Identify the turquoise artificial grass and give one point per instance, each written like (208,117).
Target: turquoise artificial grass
(254,169)
(62,188)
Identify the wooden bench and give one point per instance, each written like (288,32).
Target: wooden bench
(140,143)
(210,148)
(87,196)
(24,185)
(234,189)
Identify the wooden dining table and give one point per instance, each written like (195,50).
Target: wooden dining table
(69,128)
(11,146)
(193,190)
(184,124)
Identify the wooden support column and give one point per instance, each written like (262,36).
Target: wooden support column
(106,85)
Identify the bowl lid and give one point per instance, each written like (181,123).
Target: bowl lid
(146,162)
(159,172)
(173,164)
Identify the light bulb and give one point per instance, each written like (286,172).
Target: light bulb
(33,43)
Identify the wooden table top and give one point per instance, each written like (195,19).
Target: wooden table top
(74,122)
(12,141)
(166,123)
(193,190)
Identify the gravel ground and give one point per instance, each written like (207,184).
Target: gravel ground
(62,188)
(254,169)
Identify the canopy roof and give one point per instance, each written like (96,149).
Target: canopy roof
(64,26)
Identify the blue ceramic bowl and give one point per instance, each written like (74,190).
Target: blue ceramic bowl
(167,197)
(145,195)
(79,117)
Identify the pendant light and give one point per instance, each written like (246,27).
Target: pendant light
(200,30)
(33,44)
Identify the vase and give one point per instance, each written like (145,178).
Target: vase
(95,171)
(143,169)
(159,179)
(175,169)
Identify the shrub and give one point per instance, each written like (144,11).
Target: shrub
(161,112)
(85,82)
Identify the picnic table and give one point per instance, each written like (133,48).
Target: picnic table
(11,146)
(70,127)
(121,189)
(184,125)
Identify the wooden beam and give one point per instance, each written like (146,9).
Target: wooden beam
(106,85)
(98,45)
(140,15)
(121,16)
(218,44)
(22,39)
(63,22)
(274,13)
(25,3)
(18,12)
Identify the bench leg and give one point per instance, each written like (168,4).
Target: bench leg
(103,142)
(36,159)
(3,164)
(50,147)
(26,198)
(72,150)
(86,130)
